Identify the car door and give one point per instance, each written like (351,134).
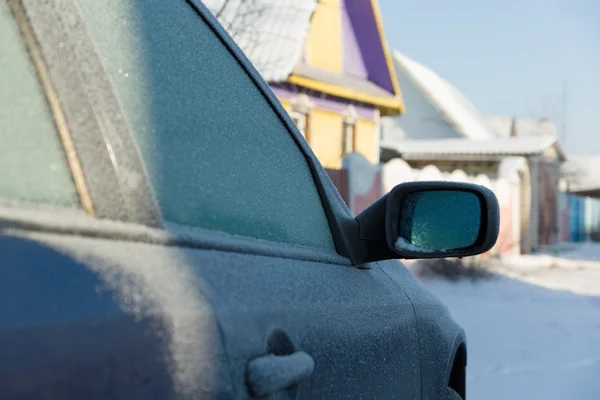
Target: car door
(244,205)
(356,326)
(220,158)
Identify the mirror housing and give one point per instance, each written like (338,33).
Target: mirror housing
(432,210)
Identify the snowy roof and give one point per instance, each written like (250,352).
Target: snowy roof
(270,32)
(535,127)
(503,126)
(519,146)
(582,173)
(500,124)
(449,101)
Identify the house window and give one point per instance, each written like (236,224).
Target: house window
(349,131)
(348,138)
(300,113)
(300,121)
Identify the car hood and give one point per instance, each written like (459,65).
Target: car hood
(439,336)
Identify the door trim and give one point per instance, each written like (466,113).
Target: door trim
(111,169)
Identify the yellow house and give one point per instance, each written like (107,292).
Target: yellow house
(328,64)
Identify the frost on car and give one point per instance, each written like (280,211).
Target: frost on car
(168,233)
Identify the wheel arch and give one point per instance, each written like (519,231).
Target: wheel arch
(458,380)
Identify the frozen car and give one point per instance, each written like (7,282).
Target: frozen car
(166,232)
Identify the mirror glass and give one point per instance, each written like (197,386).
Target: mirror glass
(438,221)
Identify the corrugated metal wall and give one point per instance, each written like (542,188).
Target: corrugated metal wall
(584,218)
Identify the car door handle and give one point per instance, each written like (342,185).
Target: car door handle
(268,374)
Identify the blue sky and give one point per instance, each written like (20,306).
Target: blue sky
(510,57)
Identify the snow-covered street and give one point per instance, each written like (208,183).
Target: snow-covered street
(534,334)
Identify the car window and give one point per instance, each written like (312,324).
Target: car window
(33,166)
(216,152)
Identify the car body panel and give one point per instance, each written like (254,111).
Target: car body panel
(440,337)
(215,310)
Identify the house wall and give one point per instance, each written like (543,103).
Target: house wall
(286,104)
(367,142)
(325,37)
(325,127)
(326,137)
(421,120)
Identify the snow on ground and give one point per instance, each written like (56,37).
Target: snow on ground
(576,251)
(534,334)
(574,267)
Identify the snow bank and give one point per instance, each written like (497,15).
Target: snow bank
(574,267)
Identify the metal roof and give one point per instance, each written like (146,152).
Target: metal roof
(447,99)
(518,146)
(340,79)
(535,127)
(583,175)
(270,32)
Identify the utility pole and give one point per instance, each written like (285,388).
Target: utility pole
(563,135)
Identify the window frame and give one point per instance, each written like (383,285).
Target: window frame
(348,137)
(349,123)
(301,109)
(85,107)
(299,120)
(94,144)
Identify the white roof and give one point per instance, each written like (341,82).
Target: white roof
(535,127)
(459,111)
(582,173)
(503,126)
(270,32)
(520,146)
(500,124)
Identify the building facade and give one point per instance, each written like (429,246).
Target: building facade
(443,136)
(328,64)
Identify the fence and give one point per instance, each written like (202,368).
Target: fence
(507,192)
(575,218)
(584,218)
(359,182)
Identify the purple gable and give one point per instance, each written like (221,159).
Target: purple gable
(366,36)
(352,58)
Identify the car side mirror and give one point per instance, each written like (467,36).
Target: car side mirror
(429,220)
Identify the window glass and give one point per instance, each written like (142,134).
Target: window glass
(217,154)
(32,161)
(347,138)
(300,121)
